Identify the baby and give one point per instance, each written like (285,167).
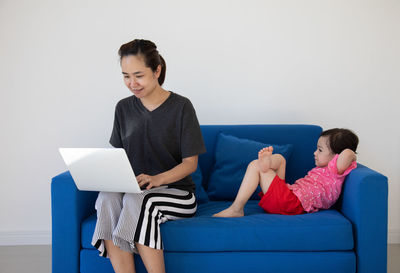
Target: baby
(335,157)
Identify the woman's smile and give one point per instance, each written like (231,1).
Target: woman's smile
(137,91)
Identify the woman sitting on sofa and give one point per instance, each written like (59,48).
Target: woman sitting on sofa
(161,135)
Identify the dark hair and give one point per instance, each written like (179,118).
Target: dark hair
(148,51)
(341,139)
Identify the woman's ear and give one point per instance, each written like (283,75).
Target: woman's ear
(158,71)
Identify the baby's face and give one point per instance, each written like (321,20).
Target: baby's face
(323,154)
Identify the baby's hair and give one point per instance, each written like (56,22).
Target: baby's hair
(340,139)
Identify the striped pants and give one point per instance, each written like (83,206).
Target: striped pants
(129,218)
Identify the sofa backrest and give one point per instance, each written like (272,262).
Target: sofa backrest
(304,139)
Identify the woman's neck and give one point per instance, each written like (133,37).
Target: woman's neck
(155,98)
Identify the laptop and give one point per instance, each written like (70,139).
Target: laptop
(100,169)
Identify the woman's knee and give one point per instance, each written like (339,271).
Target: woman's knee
(131,200)
(108,199)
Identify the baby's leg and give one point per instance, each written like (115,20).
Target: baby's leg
(266,179)
(268,161)
(249,185)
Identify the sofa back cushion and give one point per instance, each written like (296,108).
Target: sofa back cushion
(303,138)
(200,193)
(232,155)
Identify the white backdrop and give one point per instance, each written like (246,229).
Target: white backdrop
(333,63)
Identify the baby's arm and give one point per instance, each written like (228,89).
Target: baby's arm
(346,157)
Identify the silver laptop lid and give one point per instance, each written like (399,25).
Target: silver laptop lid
(100,169)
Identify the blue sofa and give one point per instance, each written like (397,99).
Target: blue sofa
(351,237)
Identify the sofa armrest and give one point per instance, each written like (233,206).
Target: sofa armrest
(69,207)
(365,203)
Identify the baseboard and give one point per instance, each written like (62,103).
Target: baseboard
(25,238)
(394,236)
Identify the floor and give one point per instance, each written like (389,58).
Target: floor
(17,259)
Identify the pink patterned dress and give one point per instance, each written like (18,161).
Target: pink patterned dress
(321,187)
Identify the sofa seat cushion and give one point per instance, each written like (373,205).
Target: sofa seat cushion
(326,230)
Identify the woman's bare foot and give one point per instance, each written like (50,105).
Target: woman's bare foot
(264,158)
(230,212)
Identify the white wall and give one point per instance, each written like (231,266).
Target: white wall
(333,63)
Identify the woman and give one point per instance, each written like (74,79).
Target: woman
(161,135)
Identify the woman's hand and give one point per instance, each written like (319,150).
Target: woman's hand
(148,181)
(188,166)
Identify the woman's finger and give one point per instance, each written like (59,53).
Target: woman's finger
(151,184)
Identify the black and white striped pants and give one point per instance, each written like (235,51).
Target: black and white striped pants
(129,218)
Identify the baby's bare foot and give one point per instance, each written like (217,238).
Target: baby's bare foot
(266,151)
(230,212)
(264,158)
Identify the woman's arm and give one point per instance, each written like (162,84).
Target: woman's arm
(188,166)
(344,160)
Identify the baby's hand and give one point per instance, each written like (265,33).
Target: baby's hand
(346,157)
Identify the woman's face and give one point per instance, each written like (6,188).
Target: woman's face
(139,78)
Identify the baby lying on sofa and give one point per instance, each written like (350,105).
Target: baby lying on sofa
(334,159)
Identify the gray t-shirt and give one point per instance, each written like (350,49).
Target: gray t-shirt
(157,141)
